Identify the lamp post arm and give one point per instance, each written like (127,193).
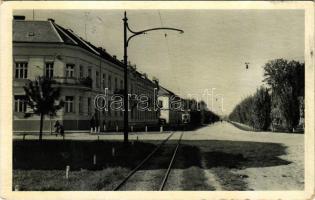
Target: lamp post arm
(126,41)
(135,33)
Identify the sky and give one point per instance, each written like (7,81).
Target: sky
(209,58)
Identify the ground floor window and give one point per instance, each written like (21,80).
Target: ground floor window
(19,103)
(89,105)
(69,104)
(80,105)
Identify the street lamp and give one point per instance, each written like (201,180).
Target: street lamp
(126,42)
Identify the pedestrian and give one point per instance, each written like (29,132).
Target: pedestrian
(62,130)
(92,123)
(57,127)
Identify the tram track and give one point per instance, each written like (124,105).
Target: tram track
(150,158)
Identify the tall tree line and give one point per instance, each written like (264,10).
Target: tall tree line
(280,104)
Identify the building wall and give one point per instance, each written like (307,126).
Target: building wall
(60,54)
(165,111)
(170,115)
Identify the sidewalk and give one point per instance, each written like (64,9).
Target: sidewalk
(100,136)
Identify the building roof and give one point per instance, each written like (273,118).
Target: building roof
(34,31)
(50,32)
(164,91)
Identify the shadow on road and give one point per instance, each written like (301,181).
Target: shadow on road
(48,155)
(221,157)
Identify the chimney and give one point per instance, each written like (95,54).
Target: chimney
(51,19)
(115,57)
(100,48)
(19,17)
(156,80)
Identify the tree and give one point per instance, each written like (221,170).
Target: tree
(261,109)
(43,99)
(286,85)
(254,110)
(242,113)
(286,79)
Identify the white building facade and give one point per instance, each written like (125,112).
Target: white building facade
(82,71)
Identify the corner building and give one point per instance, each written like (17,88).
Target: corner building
(81,70)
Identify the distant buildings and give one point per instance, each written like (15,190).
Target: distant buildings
(43,48)
(167,111)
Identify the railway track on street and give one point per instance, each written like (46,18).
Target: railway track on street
(171,154)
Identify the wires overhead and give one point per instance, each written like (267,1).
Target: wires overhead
(86,14)
(165,34)
(171,66)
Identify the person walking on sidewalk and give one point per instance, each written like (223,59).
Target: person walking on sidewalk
(62,130)
(57,127)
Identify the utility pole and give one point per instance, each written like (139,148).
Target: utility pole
(126,42)
(126,127)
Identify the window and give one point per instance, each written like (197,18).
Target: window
(19,103)
(80,104)
(104,81)
(69,104)
(132,113)
(109,108)
(109,82)
(121,84)
(49,69)
(97,74)
(70,70)
(81,71)
(90,73)
(116,85)
(89,105)
(160,104)
(21,70)
(103,106)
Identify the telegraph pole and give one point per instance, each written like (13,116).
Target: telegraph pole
(126,127)
(126,42)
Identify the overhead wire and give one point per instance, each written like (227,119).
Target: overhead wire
(169,54)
